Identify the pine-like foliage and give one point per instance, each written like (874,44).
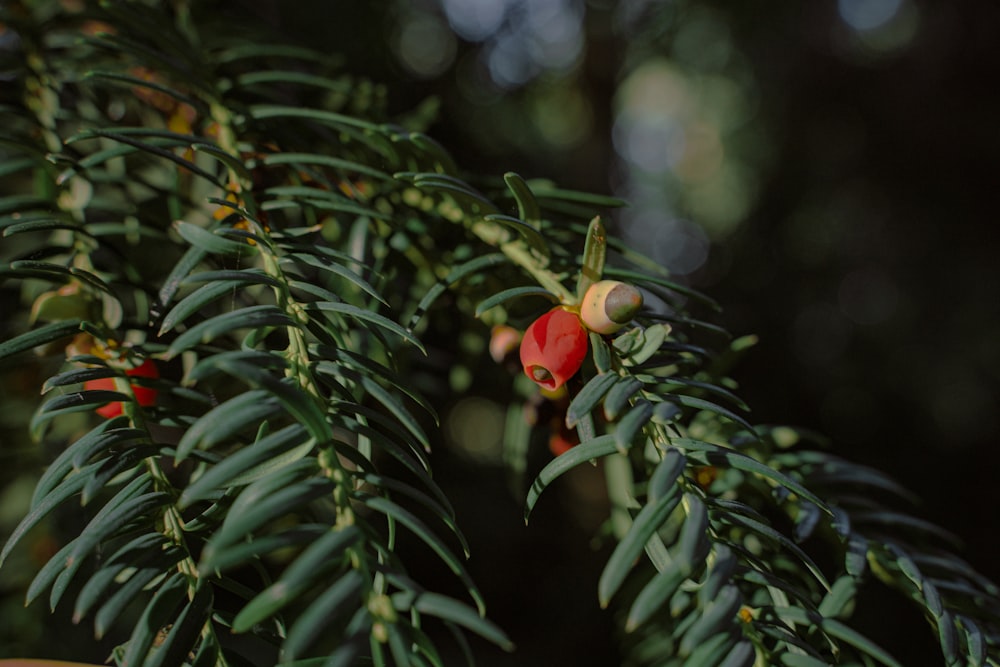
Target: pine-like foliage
(240,216)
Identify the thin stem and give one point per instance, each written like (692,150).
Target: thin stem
(519,253)
(297,350)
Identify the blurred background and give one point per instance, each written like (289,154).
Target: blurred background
(826,170)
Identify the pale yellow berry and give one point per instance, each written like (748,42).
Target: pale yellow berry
(609,305)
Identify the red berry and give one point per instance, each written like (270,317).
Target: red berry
(144,396)
(553,348)
(559,444)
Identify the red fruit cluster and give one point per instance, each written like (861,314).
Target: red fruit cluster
(555,344)
(144,396)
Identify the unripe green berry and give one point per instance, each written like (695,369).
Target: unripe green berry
(608,305)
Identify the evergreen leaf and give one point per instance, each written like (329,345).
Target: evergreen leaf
(256,49)
(594,252)
(245,516)
(631,424)
(286,76)
(468,199)
(53,498)
(196,301)
(856,556)
(801,660)
(471,267)
(836,602)
(452,610)
(337,361)
(113,517)
(209,652)
(588,398)
(184,631)
(44,225)
(806,520)
(702,404)
(318,558)
(720,572)
(80,399)
(319,199)
(527,207)
(835,472)
(181,269)
(63,464)
(245,466)
(325,610)
(336,120)
(133,554)
(618,396)
(712,649)
(601,353)
(769,533)
(441,511)
(974,641)
(231,556)
(663,481)
(706,387)
(364,315)
(693,540)
(589,450)
(40,336)
(529,234)
(429,149)
(622,560)
(340,164)
(211,242)
(743,462)
(327,264)
(839,630)
(654,594)
(295,400)
(741,655)
(129,81)
(47,575)
(418,528)
(153,146)
(251,317)
(159,612)
(224,421)
(132,582)
(638,345)
(77,376)
(123,465)
(904,521)
(544,190)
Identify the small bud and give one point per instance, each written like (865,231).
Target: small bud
(609,305)
(553,348)
(503,341)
